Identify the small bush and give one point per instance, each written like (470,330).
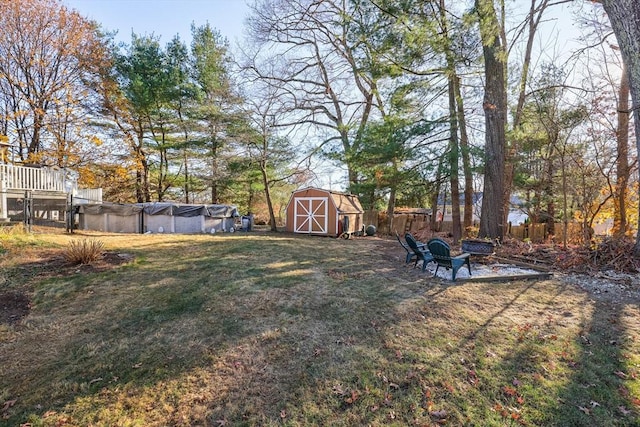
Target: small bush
(84,251)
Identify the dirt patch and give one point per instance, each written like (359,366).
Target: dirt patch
(108,261)
(15,305)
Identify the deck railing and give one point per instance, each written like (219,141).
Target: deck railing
(87,195)
(14,177)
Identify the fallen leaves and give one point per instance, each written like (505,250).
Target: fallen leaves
(6,406)
(624,410)
(355,395)
(472,376)
(509,413)
(349,396)
(621,375)
(585,410)
(439,416)
(588,409)
(509,391)
(513,403)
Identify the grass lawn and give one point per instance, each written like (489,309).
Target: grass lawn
(262,329)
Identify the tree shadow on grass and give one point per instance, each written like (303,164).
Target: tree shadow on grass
(194,341)
(586,376)
(603,390)
(249,331)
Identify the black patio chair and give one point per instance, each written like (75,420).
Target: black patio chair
(419,250)
(441,253)
(410,254)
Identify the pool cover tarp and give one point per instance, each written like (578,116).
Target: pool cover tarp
(109,208)
(160,208)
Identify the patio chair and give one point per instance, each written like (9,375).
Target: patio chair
(419,250)
(441,253)
(410,254)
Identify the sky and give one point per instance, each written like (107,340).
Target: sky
(165,18)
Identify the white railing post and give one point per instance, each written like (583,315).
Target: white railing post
(4,215)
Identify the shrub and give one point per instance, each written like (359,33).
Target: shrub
(83,251)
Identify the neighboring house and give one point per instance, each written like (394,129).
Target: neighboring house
(516,214)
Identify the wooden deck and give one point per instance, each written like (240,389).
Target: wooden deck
(40,183)
(25,178)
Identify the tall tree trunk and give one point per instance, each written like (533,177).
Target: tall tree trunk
(547,189)
(267,195)
(393,191)
(495,112)
(185,156)
(139,194)
(34,145)
(214,172)
(565,206)
(434,199)
(456,228)
(625,20)
(466,161)
(146,192)
(143,193)
(622,164)
(454,148)
(391,207)
(186,177)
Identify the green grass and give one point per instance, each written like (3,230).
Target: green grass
(266,329)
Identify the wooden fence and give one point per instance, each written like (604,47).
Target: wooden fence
(402,223)
(414,223)
(536,233)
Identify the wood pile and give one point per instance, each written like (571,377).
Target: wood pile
(610,254)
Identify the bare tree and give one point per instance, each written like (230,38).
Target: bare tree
(46,53)
(267,148)
(318,68)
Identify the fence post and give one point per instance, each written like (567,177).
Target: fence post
(28,210)
(4,214)
(70,214)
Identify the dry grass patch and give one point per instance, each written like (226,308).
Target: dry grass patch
(265,329)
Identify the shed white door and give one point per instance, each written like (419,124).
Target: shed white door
(311,215)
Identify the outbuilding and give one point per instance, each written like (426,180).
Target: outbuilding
(323,212)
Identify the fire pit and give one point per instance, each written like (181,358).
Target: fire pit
(478,246)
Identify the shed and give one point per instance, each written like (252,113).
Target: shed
(323,212)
